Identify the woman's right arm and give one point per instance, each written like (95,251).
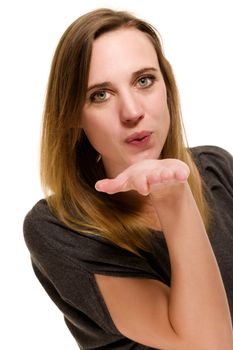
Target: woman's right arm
(193,313)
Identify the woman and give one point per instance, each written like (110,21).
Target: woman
(126,239)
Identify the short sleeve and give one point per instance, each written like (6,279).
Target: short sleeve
(216,167)
(65,262)
(92,253)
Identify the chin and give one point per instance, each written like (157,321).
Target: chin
(150,154)
(140,158)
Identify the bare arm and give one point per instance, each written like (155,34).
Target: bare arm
(197,302)
(194,312)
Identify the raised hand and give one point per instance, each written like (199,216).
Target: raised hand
(146,177)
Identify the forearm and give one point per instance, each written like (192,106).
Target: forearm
(197,303)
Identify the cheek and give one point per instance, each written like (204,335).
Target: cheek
(163,104)
(159,106)
(96,130)
(166,120)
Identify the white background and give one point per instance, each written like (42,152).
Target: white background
(197,37)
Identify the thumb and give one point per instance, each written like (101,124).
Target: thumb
(110,186)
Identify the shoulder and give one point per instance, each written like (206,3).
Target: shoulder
(40,225)
(215,165)
(45,234)
(211,154)
(49,239)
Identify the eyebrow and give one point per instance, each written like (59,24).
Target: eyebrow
(134,75)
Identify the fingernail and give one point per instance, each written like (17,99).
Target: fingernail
(96,187)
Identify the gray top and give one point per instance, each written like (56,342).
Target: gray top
(65,261)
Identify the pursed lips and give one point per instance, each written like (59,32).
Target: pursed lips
(138,136)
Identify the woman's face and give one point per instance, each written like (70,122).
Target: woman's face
(125,117)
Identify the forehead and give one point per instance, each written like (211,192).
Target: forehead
(121,51)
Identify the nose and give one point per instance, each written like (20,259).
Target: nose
(131,110)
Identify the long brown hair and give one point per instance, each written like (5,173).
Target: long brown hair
(69,168)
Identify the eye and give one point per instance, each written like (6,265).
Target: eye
(146,81)
(99,96)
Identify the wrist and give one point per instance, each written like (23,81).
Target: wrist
(171,195)
(178,211)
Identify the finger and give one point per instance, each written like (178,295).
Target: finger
(167,175)
(182,174)
(107,185)
(153,178)
(111,186)
(140,184)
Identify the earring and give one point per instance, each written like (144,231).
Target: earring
(98,158)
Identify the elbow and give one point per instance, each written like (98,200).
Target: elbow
(222,346)
(222,343)
(213,342)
